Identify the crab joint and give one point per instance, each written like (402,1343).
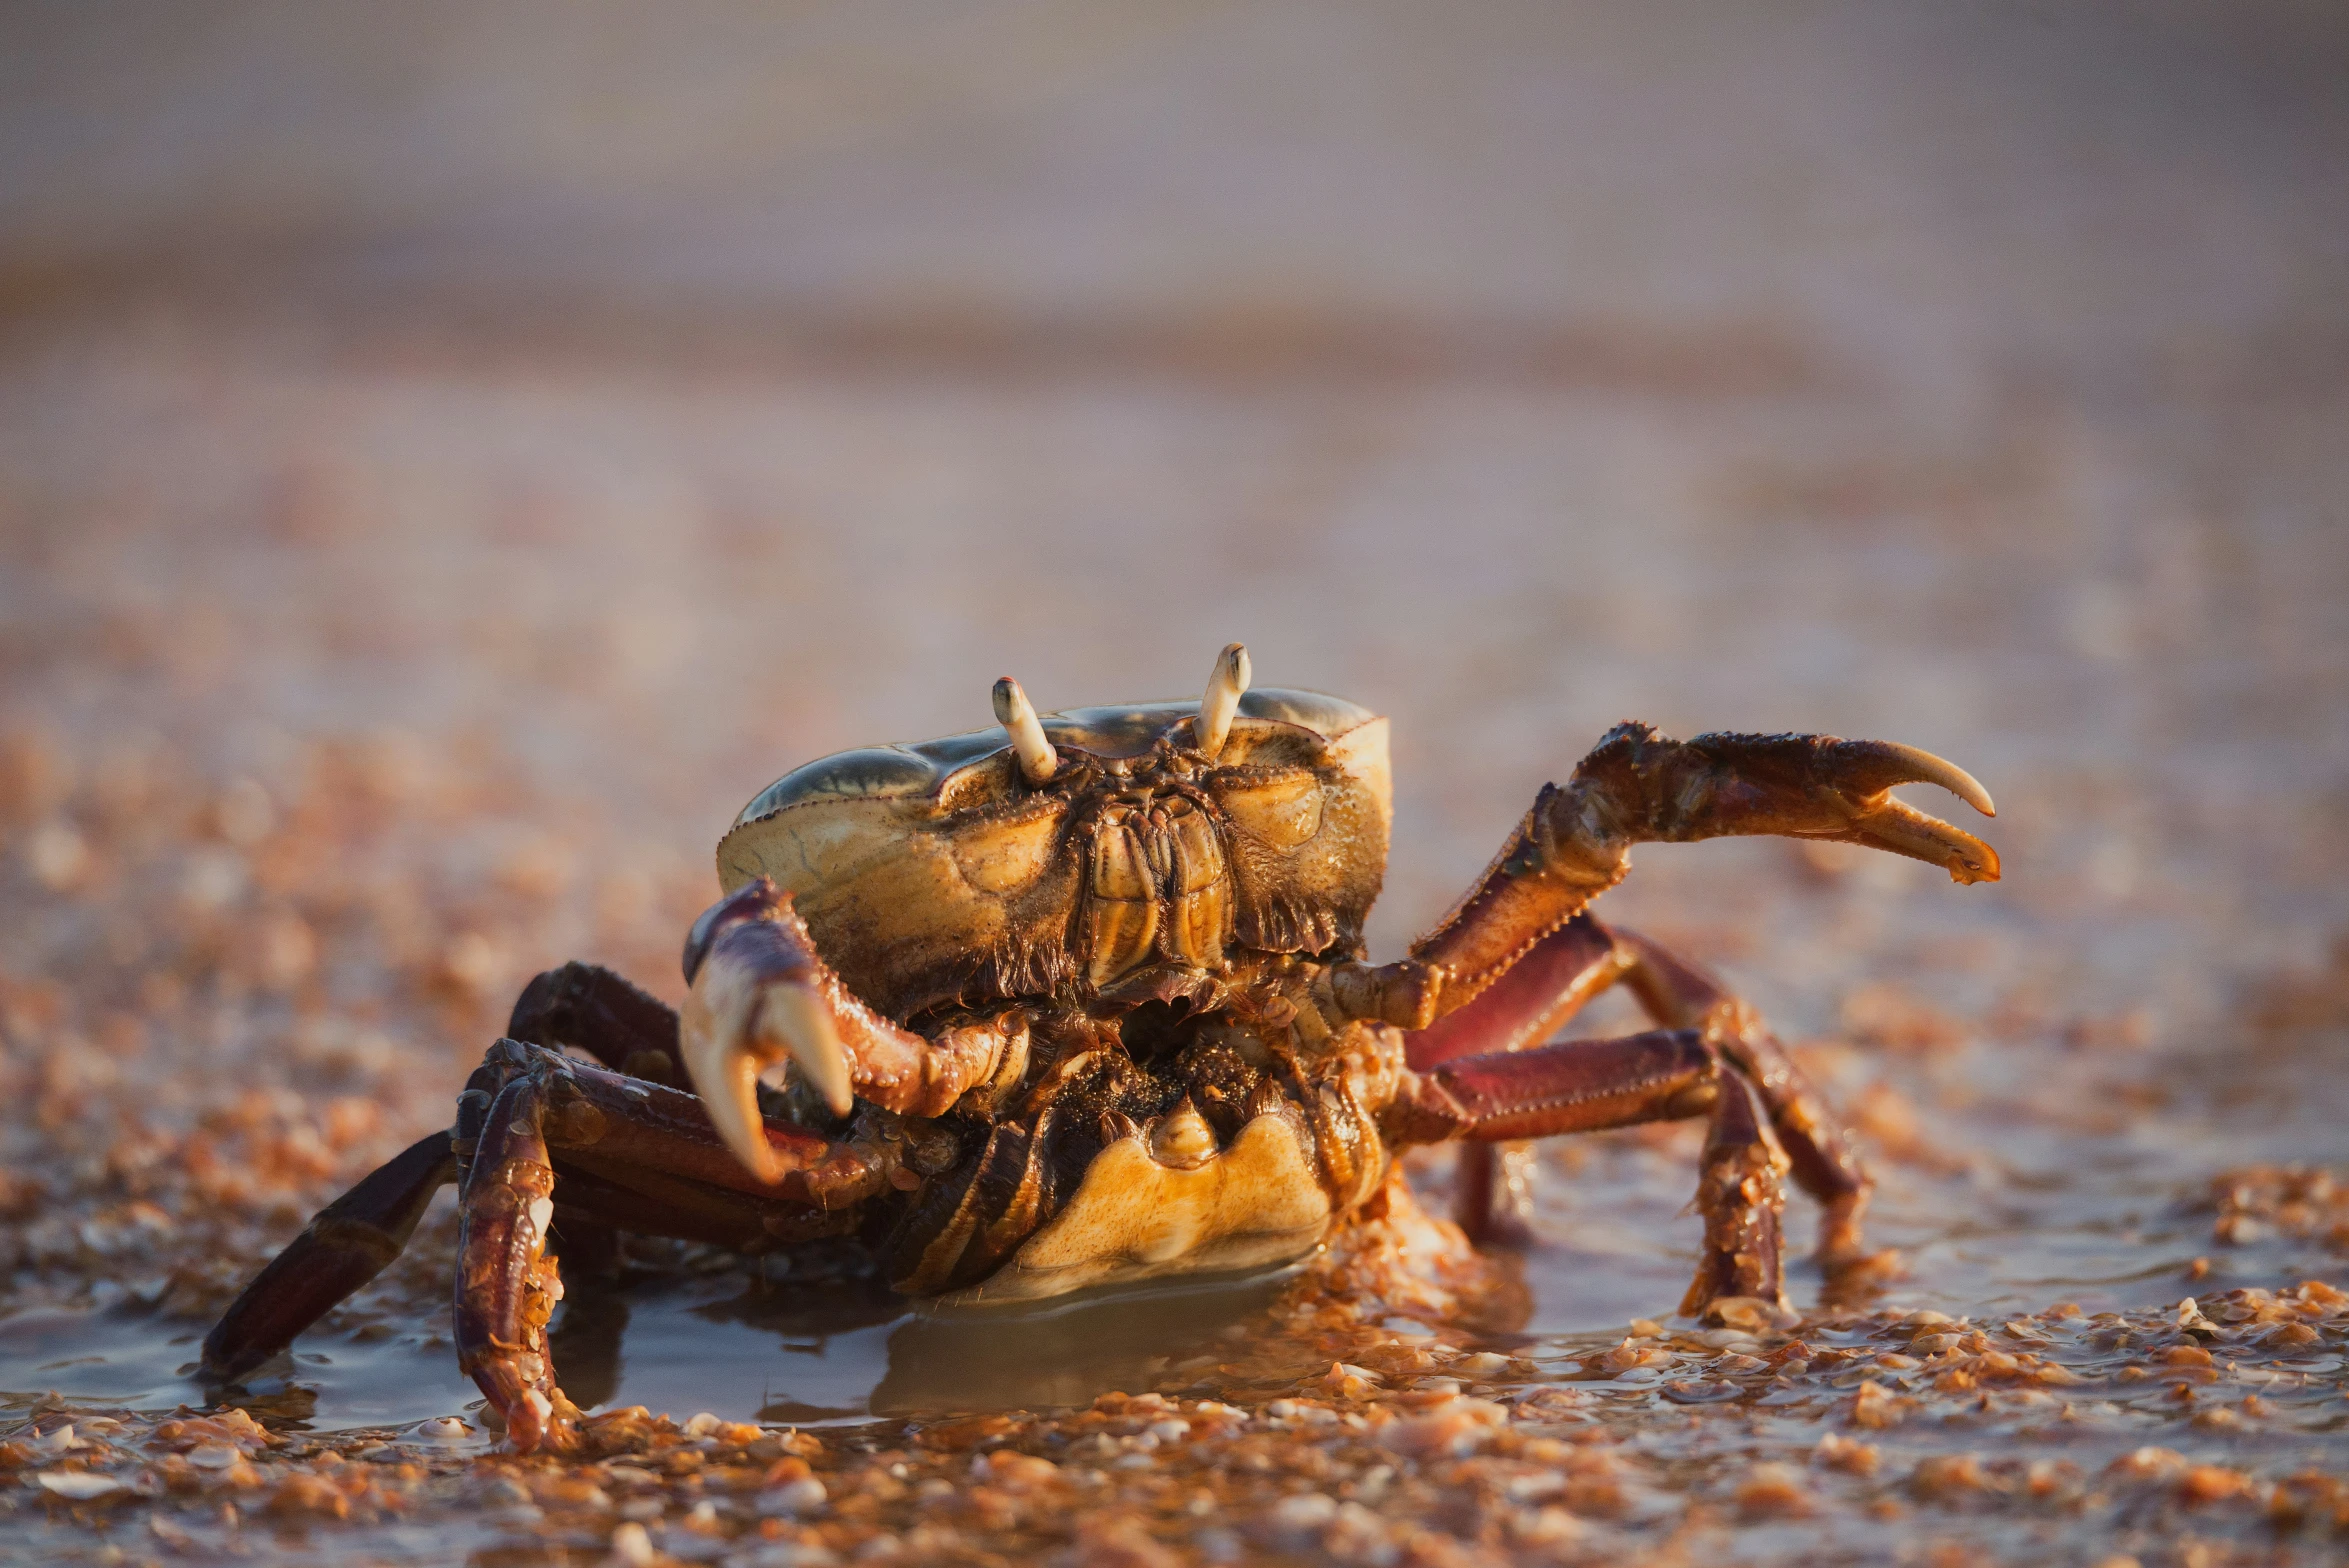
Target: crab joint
(1038,761)
(1225,685)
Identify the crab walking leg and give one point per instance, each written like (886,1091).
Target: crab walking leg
(1529,1001)
(345,1245)
(761,994)
(1557,977)
(1492,1194)
(1677,994)
(621,1026)
(588,1006)
(1592,1085)
(1741,1192)
(507,1280)
(642,1134)
(1637,787)
(641,1155)
(1492,1198)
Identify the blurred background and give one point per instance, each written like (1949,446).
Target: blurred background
(451,457)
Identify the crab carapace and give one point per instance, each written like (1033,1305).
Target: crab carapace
(1082,998)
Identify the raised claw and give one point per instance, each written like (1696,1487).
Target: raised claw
(1800,786)
(762,994)
(738,1021)
(759,996)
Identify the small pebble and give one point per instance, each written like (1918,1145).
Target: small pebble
(632,1547)
(794,1499)
(78,1485)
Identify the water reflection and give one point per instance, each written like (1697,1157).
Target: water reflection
(849,1349)
(1066,1353)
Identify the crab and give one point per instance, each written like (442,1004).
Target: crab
(1081,999)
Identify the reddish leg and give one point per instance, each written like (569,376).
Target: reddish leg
(1492,1194)
(1530,1000)
(1492,1197)
(1637,787)
(536,1126)
(1677,994)
(507,1282)
(1516,956)
(624,1154)
(1559,976)
(588,1006)
(621,1026)
(344,1246)
(1591,1085)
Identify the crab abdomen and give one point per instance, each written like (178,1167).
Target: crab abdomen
(1201,1164)
(1134,1217)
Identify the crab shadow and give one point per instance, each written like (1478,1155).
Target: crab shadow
(932,1359)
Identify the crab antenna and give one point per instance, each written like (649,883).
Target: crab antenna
(1225,683)
(1038,761)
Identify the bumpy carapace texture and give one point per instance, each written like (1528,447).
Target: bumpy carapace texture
(1080,999)
(934,875)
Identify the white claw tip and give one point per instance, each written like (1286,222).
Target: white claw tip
(1038,761)
(1940,770)
(1226,683)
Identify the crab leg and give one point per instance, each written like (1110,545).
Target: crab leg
(1637,787)
(586,1005)
(646,1158)
(1556,978)
(1492,1198)
(1530,1000)
(507,1281)
(1592,1085)
(345,1245)
(762,994)
(1677,994)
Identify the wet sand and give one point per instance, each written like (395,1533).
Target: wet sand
(410,561)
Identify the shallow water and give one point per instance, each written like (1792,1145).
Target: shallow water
(2026,1215)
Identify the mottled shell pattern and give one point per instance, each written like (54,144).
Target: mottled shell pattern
(941,874)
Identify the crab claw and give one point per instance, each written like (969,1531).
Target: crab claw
(1861,775)
(759,996)
(1642,786)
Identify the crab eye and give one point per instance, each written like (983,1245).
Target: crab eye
(1283,811)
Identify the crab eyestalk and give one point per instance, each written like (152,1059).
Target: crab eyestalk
(1226,683)
(1038,761)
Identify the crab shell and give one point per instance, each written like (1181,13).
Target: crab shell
(932,874)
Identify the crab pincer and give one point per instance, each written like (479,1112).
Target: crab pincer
(762,994)
(758,997)
(1642,786)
